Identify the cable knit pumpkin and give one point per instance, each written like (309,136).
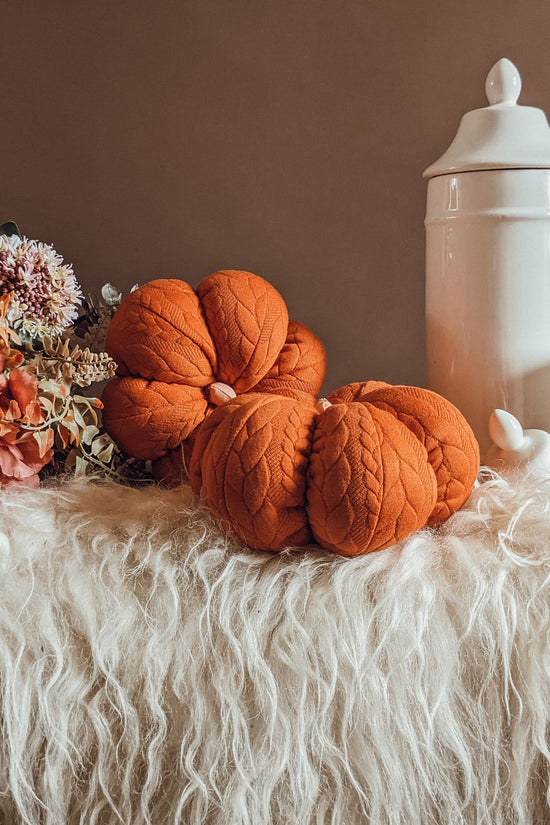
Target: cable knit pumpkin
(181,352)
(357,473)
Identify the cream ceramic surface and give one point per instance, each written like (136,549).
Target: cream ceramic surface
(488,275)
(517,448)
(502,135)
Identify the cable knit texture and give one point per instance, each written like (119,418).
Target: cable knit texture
(357,475)
(172,343)
(218,386)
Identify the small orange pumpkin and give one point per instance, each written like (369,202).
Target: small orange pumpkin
(180,352)
(357,474)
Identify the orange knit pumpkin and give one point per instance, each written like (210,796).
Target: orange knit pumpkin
(181,351)
(355,473)
(358,474)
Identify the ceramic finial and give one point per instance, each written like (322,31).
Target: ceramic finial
(503,83)
(515,447)
(505,430)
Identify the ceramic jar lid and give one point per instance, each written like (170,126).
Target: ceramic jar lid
(502,135)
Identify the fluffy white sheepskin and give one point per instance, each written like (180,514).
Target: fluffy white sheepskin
(151,671)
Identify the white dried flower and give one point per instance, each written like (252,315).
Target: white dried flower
(45,292)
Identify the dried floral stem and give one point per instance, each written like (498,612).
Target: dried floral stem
(58,429)
(115,473)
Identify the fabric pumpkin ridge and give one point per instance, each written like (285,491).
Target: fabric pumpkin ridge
(354,476)
(217,386)
(172,343)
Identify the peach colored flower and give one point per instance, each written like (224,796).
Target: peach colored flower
(22,452)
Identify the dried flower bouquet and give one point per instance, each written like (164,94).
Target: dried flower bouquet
(51,352)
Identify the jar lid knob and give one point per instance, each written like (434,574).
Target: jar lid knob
(502,135)
(503,84)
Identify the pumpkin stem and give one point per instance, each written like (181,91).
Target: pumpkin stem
(323,404)
(219,393)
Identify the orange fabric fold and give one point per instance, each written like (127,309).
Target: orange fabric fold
(248,321)
(301,364)
(159,332)
(452,449)
(233,329)
(147,419)
(356,473)
(365,472)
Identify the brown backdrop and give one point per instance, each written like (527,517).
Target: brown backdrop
(175,138)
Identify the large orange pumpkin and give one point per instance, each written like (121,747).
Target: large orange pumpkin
(179,350)
(356,474)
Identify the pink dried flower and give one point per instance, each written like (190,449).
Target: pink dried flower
(45,293)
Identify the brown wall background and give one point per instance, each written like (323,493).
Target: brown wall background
(288,138)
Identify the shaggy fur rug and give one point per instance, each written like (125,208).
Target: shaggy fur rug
(151,671)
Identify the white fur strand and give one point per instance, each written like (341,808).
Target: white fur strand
(151,671)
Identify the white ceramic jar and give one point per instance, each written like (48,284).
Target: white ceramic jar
(488,262)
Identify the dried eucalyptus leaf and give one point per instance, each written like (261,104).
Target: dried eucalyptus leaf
(44,440)
(70,461)
(70,424)
(111,294)
(47,404)
(106,454)
(79,419)
(55,389)
(10,228)
(100,443)
(81,466)
(88,434)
